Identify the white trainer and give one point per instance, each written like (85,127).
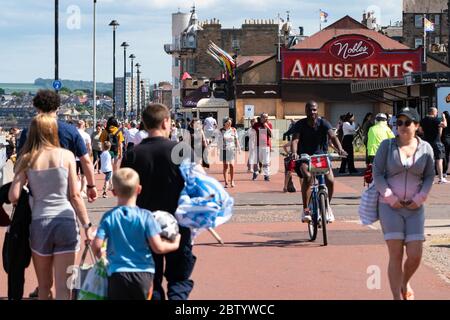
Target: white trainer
(443,181)
(330,215)
(306,216)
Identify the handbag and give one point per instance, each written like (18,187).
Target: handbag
(368,209)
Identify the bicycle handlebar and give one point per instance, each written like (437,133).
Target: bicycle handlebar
(331,156)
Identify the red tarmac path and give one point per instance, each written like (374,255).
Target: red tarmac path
(273,260)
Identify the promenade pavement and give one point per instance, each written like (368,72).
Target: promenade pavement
(267,254)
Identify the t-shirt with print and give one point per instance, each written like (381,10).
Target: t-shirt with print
(313,140)
(127,230)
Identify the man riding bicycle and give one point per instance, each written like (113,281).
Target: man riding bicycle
(311,137)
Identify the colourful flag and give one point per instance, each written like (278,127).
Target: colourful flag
(429,26)
(323,16)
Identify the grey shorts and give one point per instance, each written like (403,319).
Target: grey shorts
(51,236)
(402,224)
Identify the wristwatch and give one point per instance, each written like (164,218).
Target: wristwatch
(87,226)
(91,186)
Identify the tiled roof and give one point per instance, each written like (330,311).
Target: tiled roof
(245,62)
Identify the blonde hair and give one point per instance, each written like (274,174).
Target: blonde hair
(43,132)
(125,181)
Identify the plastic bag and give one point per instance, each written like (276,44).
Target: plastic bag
(203,203)
(95,286)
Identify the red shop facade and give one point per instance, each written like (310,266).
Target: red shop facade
(323,67)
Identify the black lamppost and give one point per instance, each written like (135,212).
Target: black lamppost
(114,24)
(56,41)
(132,57)
(138,72)
(125,46)
(144,98)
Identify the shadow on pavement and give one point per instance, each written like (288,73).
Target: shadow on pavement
(270,243)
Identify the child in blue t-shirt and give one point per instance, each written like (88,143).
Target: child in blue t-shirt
(130,232)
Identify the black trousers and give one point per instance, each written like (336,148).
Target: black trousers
(347,144)
(177,268)
(447,154)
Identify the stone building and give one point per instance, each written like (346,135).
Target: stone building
(255,37)
(413,30)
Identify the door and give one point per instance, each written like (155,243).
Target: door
(359,109)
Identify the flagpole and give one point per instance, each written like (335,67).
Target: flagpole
(424,40)
(320,19)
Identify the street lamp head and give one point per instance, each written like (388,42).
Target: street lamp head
(132,56)
(124,44)
(114,24)
(137,65)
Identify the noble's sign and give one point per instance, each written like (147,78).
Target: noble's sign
(350,57)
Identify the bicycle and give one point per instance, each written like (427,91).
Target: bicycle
(318,203)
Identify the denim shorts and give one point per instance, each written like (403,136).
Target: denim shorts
(108,175)
(49,236)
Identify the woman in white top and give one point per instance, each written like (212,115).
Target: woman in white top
(229,143)
(174,132)
(349,130)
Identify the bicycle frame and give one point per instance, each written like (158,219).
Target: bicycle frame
(319,187)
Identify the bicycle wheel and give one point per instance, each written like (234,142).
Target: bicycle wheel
(323,214)
(313,224)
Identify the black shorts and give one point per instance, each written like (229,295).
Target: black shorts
(438,150)
(79,168)
(130,286)
(298,165)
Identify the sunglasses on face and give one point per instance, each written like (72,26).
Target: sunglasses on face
(407,123)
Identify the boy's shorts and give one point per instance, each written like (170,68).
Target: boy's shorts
(130,286)
(107,175)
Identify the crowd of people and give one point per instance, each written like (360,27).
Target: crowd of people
(57,162)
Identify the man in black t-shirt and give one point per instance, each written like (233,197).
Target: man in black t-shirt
(311,137)
(431,127)
(162,184)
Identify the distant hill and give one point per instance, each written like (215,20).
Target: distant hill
(19,87)
(48,84)
(74,84)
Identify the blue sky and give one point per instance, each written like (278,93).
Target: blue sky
(27,31)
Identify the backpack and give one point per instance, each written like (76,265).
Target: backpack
(113,138)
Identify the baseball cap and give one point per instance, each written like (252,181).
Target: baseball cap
(381,116)
(409,113)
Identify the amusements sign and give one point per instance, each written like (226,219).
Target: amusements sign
(351,57)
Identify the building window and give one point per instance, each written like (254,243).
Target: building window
(418,42)
(418,21)
(437,19)
(235,44)
(176,83)
(176,62)
(437,40)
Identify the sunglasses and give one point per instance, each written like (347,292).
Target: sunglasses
(407,123)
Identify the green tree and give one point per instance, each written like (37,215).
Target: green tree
(2,91)
(65,90)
